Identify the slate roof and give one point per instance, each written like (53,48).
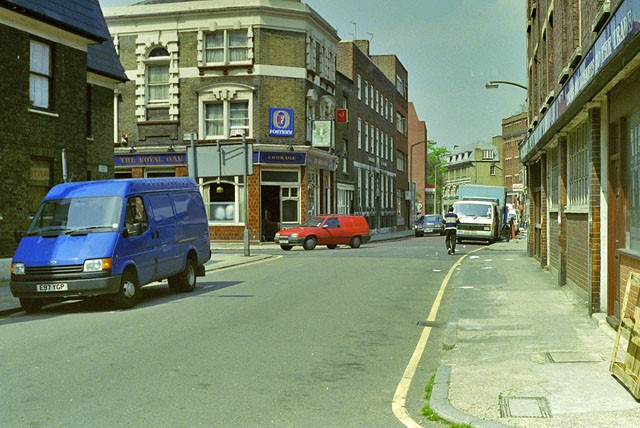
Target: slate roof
(82,17)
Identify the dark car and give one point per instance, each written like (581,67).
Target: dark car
(430,223)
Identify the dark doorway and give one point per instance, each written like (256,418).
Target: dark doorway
(270,212)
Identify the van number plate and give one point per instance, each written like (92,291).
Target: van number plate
(58,286)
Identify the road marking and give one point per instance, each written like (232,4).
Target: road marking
(398,404)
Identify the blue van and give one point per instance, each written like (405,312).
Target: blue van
(110,237)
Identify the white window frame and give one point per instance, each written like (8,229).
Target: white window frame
(226,47)
(359,133)
(40,74)
(226,95)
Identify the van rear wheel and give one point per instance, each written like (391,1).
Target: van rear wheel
(129,291)
(356,241)
(286,247)
(185,281)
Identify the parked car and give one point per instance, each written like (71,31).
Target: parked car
(111,237)
(429,223)
(329,230)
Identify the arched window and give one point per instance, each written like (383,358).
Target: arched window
(157,76)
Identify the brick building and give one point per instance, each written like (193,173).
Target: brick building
(377,131)
(472,164)
(396,72)
(216,70)
(59,68)
(582,151)
(418,147)
(514,130)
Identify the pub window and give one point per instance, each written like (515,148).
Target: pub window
(224,200)
(226,47)
(157,74)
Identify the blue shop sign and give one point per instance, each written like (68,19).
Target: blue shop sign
(280,122)
(150,159)
(622,26)
(283,158)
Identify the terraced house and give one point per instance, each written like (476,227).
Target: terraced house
(215,71)
(582,151)
(59,70)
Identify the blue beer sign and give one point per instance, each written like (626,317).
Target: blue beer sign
(280,122)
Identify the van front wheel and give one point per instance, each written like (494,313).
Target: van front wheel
(31,306)
(129,291)
(185,281)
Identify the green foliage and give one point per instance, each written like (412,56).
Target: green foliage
(429,413)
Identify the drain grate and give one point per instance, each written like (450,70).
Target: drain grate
(524,407)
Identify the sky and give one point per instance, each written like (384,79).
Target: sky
(450,48)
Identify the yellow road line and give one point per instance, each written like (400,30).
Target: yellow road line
(398,404)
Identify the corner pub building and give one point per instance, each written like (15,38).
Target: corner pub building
(215,71)
(583,149)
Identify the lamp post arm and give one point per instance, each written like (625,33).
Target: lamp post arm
(504,82)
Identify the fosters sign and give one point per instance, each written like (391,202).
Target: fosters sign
(280,122)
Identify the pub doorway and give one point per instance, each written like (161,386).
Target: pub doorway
(270,212)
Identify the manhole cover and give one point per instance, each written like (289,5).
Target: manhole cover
(524,407)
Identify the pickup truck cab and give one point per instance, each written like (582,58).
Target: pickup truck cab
(329,230)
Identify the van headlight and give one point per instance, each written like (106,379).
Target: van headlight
(17,268)
(488,228)
(97,265)
(293,235)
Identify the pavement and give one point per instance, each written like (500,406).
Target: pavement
(519,350)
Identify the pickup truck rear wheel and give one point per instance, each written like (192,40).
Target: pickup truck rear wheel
(355,242)
(185,281)
(310,243)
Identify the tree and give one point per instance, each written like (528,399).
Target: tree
(435,172)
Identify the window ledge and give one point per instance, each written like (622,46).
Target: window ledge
(44,113)
(226,67)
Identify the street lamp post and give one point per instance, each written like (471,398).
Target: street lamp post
(495,83)
(435,180)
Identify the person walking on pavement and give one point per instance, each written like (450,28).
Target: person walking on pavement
(450,230)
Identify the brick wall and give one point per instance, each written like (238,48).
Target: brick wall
(578,250)
(594,210)
(25,135)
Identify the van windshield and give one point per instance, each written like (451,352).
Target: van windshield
(473,210)
(77,215)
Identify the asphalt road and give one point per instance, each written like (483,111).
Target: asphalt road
(312,339)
